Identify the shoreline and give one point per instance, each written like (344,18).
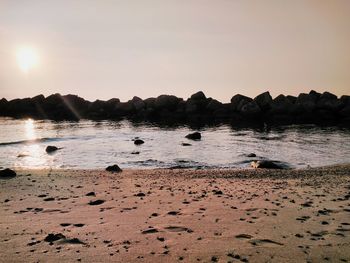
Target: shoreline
(338,169)
(249,215)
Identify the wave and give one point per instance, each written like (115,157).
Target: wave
(30,141)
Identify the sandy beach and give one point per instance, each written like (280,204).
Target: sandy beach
(176,215)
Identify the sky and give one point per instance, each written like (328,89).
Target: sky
(104,49)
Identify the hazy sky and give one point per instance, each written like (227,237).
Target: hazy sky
(103,49)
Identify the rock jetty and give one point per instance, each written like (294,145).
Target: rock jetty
(312,107)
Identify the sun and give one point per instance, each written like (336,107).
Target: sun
(27,58)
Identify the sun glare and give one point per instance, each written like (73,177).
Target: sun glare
(27,58)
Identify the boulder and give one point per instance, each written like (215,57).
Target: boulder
(315,95)
(214,105)
(266,164)
(281,105)
(305,103)
(191,106)
(291,98)
(150,102)
(264,100)
(198,96)
(345,112)
(345,99)
(138,142)
(51,149)
(238,101)
(138,103)
(169,102)
(251,109)
(114,168)
(7,173)
(125,108)
(194,136)
(329,101)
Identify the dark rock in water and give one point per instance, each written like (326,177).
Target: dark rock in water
(138,142)
(186,144)
(114,168)
(251,155)
(329,101)
(54,237)
(169,102)
(281,105)
(267,165)
(305,103)
(7,173)
(264,100)
(50,149)
(238,101)
(194,136)
(138,103)
(96,202)
(251,109)
(214,105)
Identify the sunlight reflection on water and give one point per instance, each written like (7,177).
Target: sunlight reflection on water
(90,144)
(29,129)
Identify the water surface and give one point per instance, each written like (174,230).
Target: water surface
(90,144)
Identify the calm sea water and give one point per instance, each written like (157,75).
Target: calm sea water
(90,144)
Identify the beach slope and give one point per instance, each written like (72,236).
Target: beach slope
(176,215)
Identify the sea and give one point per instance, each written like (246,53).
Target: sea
(88,144)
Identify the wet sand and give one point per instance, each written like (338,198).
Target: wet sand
(176,215)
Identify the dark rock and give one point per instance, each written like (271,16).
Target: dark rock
(51,149)
(138,103)
(281,105)
(138,142)
(198,96)
(135,152)
(214,105)
(251,155)
(96,202)
(305,103)
(169,102)
(91,194)
(140,194)
(238,101)
(264,100)
(54,237)
(345,112)
(191,106)
(114,168)
(251,109)
(194,136)
(292,99)
(329,101)
(267,164)
(217,192)
(7,173)
(186,144)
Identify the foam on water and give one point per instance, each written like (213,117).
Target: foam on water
(88,144)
